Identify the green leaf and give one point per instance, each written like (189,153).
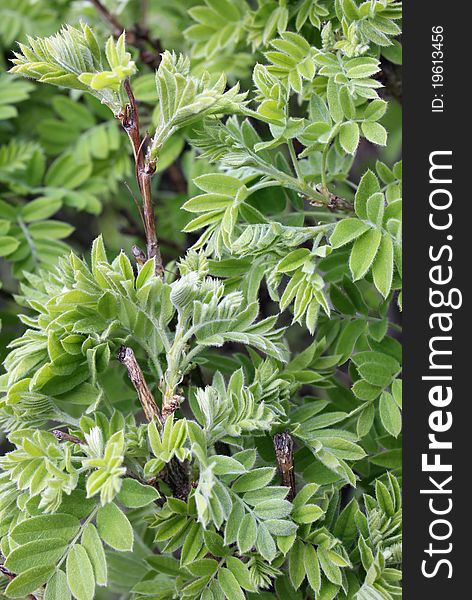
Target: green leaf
(366,391)
(215,543)
(296,567)
(28,582)
(345,527)
(79,572)
(366,418)
(348,105)
(280,527)
(208,202)
(57,588)
(350,9)
(393,53)
(229,584)
(227,465)
(346,231)
(376,208)
(91,542)
(67,172)
(374,132)
(273,509)
(397,392)
(375,110)
(362,67)
(38,553)
(193,544)
(247,533)
(8,245)
(293,260)
(382,269)
(206,567)
(312,568)
(368,185)
(265,544)
(390,459)
(334,102)
(46,527)
(41,208)
(363,253)
(307,514)
(384,499)
(114,527)
(254,480)
(46,230)
(134,494)
(349,137)
(349,337)
(108,306)
(216,183)
(332,571)
(390,414)
(241,572)
(375,374)
(367,557)
(342,448)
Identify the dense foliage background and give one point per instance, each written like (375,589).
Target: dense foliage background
(291,197)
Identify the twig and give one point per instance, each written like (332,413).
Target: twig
(283,445)
(126,356)
(175,473)
(137,36)
(116,27)
(144,171)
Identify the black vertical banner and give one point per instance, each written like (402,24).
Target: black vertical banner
(437,326)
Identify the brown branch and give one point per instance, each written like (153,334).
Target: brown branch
(170,405)
(126,356)
(283,445)
(175,474)
(144,171)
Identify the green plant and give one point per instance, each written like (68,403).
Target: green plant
(223,422)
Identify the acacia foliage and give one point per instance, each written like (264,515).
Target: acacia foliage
(256,451)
